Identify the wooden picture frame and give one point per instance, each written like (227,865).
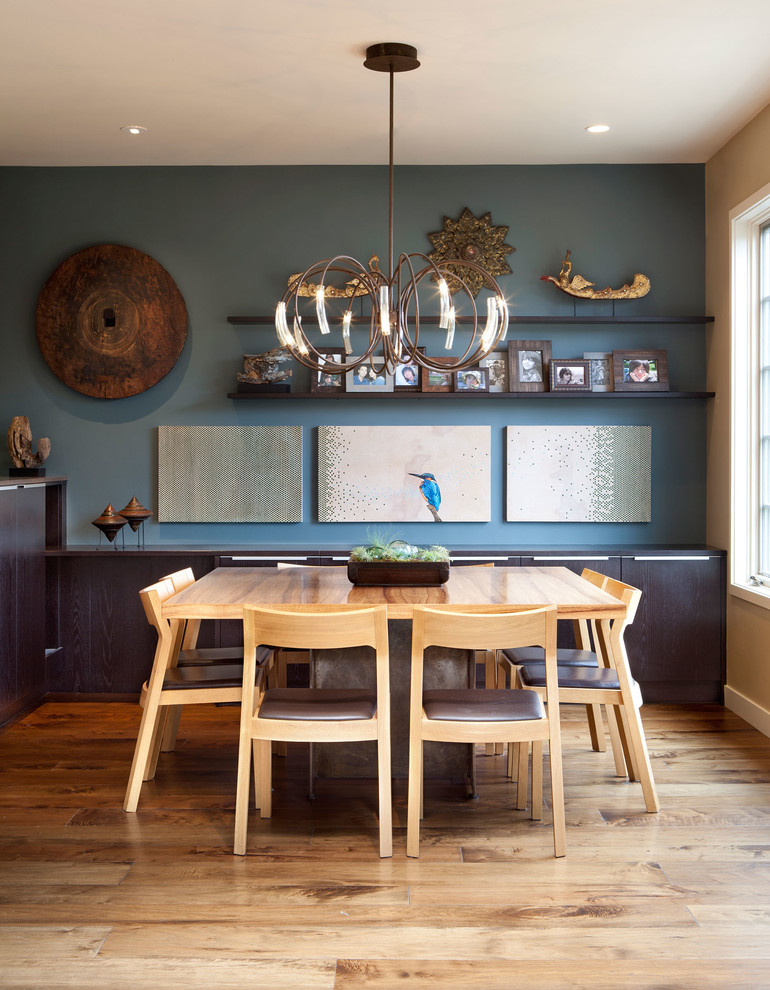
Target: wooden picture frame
(401,373)
(640,370)
(438,381)
(319,381)
(528,364)
(472,380)
(570,375)
(601,370)
(368,380)
(497,365)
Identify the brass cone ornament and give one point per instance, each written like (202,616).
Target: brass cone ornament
(135,513)
(110,523)
(394,294)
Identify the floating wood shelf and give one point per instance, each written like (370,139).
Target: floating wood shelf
(469,396)
(433,320)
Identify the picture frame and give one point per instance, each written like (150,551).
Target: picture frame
(497,365)
(570,375)
(320,381)
(438,381)
(402,373)
(472,380)
(601,370)
(528,365)
(365,378)
(640,370)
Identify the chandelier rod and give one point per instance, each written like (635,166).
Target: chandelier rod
(390,178)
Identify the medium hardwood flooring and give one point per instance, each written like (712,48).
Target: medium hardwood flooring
(91,897)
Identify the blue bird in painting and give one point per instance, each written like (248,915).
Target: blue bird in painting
(431,492)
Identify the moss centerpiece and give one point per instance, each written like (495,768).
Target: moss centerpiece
(387,563)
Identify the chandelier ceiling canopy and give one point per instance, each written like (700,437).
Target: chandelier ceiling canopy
(395,295)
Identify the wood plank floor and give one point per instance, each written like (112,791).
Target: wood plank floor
(93,898)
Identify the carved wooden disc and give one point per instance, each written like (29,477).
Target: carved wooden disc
(111,322)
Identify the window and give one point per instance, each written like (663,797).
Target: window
(750,246)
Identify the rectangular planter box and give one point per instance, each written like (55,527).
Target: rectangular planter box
(384,574)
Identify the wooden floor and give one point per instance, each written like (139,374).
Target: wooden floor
(93,898)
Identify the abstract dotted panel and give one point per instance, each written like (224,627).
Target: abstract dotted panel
(367,473)
(229,474)
(578,473)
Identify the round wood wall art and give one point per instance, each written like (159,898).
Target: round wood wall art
(111,322)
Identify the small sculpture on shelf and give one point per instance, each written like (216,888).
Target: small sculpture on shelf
(263,372)
(135,515)
(583,289)
(20,448)
(110,523)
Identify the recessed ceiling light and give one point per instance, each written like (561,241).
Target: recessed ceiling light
(134,129)
(597,128)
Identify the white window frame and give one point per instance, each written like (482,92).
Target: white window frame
(746,223)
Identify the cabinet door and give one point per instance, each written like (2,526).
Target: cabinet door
(30,598)
(676,643)
(8,596)
(602,563)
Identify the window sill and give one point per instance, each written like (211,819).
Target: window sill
(749,593)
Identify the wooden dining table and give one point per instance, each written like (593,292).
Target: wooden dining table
(222,593)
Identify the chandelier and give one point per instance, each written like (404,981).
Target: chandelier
(395,316)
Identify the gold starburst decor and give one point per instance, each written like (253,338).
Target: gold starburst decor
(471,238)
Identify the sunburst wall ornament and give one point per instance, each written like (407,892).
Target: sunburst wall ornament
(471,238)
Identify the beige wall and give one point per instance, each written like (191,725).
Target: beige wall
(737,171)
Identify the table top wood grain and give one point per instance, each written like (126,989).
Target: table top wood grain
(222,593)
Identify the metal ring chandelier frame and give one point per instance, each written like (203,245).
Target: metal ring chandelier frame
(394,296)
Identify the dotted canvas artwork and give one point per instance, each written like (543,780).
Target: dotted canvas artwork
(230,474)
(375,473)
(578,473)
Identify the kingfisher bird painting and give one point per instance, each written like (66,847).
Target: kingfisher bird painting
(431,492)
(367,474)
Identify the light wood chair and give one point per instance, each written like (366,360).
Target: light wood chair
(583,656)
(170,686)
(483,715)
(190,655)
(610,684)
(312,714)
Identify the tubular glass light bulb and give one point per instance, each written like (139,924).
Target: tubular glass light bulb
(450,329)
(445,301)
(384,311)
(282,327)
(346,332)
(320,310)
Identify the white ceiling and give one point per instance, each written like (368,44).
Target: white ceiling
(241,82)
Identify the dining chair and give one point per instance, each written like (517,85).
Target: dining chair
(170,686)
(583,656)
(482,715)
(610,683)
(312,714)
(190,655)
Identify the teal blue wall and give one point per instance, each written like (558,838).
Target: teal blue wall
(230,236)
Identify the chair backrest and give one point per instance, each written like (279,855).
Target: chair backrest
(594,577)
(480,627)
(323,627)
(152,598)
(628,594)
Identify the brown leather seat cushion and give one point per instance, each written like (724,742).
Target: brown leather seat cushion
(536,654)
(207,676)
(481,705)
(319,704)
(220,654)
(533,675)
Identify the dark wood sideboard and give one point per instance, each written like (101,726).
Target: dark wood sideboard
(95,642)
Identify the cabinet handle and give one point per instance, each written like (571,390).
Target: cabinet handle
(568,558)
(675,558)
(283,557)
